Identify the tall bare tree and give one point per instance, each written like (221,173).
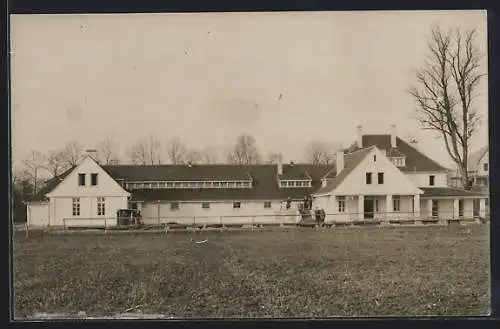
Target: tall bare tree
(106,150)
(176,151)
(72,154)
(445,89)
(33,165)
(244,151)
(321,153)
(55,163)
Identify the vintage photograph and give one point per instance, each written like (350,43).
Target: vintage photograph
(250,165)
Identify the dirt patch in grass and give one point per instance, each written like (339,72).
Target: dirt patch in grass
(293,273)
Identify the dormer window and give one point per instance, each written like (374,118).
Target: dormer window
(399,161)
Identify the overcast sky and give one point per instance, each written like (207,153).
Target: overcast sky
(209,77)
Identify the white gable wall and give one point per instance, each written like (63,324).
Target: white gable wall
(421,179)
(395,182)
(61,198)
(37,214)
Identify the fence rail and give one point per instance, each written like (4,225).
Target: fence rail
(292,218)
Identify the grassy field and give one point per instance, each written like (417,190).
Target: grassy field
(295,273)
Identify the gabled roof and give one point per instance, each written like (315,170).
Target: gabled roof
(49,186)
(476,156)
(351,161)
(178,172)
(415,159)
(264,185)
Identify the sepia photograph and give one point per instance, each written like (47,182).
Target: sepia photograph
(249,165)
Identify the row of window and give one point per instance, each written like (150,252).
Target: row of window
(295,183)
(396,204)
(83,177)
(201,184)
(206,205)
(398,161)
(380,178)
(101,206)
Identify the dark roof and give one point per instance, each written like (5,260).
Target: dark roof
(178,172)
(49,186)
(264,186)
(415,159)
(448,191)
(295,171)
(351,161)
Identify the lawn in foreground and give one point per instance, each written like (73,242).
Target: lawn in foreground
(295,273)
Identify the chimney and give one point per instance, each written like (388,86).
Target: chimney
(189,164)
(92,153)
(280,165)
(360,137)
(340,161)
(291,163)
(393,136)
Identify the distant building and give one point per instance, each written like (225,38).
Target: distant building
(377,177)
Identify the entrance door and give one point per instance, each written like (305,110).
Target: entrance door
(368,208)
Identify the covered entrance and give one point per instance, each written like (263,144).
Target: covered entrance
(368,207)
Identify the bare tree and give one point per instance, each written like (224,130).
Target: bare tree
(244,151)
(194,157)
(33,165)
(107,151)
(146,151)
(55,163)
(72,154)
(273,157)
(321,153)
(176,151)
(445,89)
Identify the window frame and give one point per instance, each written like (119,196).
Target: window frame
(461,208)
(368,178)
(174,206)
(341,204)
(75,205)
(94,179)
(237,203)
(82,179)
(267,204)
(380,178)
(101,206)
(396,204)
(205,205)
(432,180)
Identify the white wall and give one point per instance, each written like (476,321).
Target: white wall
(62,208)
(422,179)
(192,212)
(106,185)
(395,182)
(37,214)
(480,168)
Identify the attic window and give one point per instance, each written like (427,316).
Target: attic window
(81,179)
(93,179)
(485,166)
(374,158)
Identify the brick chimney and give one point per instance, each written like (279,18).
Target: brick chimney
(279,165)
(340,161)
(393,136)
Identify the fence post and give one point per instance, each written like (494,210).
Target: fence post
(252,223)
(194,221)
(27,232)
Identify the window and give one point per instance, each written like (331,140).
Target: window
(460,208)
(368,178)
(381,178)
(133,205)
(223,184)
(76,206)
(230,184)
(236,205)
(377,205)
(431,180)
(174,206)
(485,166)
(238,184)
(284,184)
(177,184)
(101,207)
(396,203)
(93,179)
(374,158)
(246,184)
(435,208)
(341,203)
(81,179)
(216,184)
(267,204)
(205,205)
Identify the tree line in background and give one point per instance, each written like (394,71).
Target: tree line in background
(39,167)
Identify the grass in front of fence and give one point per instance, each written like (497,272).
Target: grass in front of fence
(283,273)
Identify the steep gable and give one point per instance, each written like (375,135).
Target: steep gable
(415,160)
(351,180)
(69,185)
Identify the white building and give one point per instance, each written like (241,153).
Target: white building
(378,177)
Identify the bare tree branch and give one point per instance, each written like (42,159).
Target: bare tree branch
(244,151)
(445,90)
(176,151)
